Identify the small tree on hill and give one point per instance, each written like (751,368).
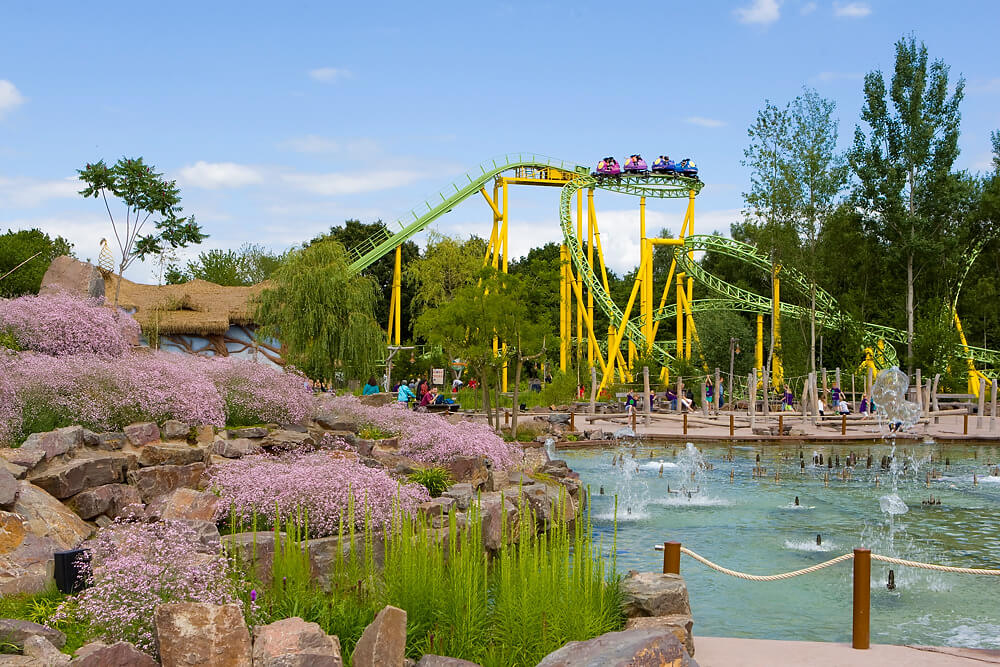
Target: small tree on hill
(147,195)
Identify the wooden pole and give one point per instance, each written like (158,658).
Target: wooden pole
(645,387)
(671,558)
(593,390)
(927,397)
(826,390)
(861,634)
(685,423)
(732,425)
(843,424)
(982,404)
(918,390)
(752,397)
(854,394)
(764,396)
(718,390)
(680,394)
(836,380)
(871,382)
(934,393)
(993,405)
(965,424)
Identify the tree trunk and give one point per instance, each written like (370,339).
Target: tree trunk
(517,385)
(909,313)
(499,388)
(486,399)
(812,325)
(118,286)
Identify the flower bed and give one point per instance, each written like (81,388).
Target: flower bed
(323,484)
(62,325)
(428,437)
(138,566)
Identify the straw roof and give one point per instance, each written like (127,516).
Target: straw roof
(195,308)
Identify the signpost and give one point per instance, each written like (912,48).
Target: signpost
(437,375)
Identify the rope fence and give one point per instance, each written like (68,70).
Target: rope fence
(862,577)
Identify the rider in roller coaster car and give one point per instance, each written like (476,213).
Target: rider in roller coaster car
(664,165)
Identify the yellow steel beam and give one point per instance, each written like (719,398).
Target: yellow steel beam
(590,260)
(490,201)
(579,303)
(590,329)
(617,335)
(687,228)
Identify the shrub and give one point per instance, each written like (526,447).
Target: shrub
(62,324)
(323,484)
(427,437)
(435,480)
(138,566)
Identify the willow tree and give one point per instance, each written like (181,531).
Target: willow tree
(322,313)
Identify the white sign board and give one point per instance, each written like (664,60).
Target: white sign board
(437,375)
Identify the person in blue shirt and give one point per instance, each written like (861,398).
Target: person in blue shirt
(370,388)
(405,394)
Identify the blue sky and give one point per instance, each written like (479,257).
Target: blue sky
(279,121)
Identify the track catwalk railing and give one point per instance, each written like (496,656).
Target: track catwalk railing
(861,627)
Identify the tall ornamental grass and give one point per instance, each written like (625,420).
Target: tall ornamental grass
(511,608)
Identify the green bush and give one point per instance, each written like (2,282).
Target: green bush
(41,608)
(436,480)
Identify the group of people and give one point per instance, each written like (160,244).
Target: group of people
(422,394)
(838,400)
(671,396)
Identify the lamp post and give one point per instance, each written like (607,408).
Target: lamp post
(734,349)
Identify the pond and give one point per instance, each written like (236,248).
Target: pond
(710,500)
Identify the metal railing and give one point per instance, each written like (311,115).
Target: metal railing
(861,627)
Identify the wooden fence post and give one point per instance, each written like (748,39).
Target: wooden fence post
(647,400)
(671,558)
(861,634)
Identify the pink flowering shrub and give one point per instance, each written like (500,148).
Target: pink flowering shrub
(255,393)
(320,483)
(62,324)
(429,437)
(137,566)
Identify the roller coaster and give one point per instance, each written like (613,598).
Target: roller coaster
(584,274)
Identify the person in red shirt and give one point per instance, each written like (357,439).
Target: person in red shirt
(428,397)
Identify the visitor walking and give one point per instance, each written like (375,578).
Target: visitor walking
(405,394)
(370,388)
(788,400)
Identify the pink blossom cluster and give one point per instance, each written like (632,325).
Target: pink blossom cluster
(61,324)
(429,437)
(102,393)
(138,566)
(320,483)
(255,393)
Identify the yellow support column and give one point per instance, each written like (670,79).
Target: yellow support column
(579,304)
(679,293)
(690,318)
(645,305)
(590,261)
(395,305)
(563,306)
(777,372)
(505,247)
(759,356)
(392,305)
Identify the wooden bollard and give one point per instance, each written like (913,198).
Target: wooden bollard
(732,426)
(781,424)
(843,424)
(633,421)
(572,421)
(965,424)
(861,635)
(671,558)
(506,418)
(685,423)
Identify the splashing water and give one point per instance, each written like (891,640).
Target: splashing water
(550,448)
(889,395)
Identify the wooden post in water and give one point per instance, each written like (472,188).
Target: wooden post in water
(732,425)
(917,391)
(861,634)
(982,404)
(593,390)
(718,390)
(685,423)
(843,424)
(965,423)
(671,558)
(645,392)
(993,405)
(927,397)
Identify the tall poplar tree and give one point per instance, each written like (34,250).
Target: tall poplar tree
(903,157)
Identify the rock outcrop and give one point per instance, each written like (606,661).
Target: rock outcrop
(383,643)
(292,642)
(191,633)
(629,648)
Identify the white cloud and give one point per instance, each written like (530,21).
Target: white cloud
(26,192)
(759,11)
(220,175)
(704,122)
(10,97)
(808,8)
(343,183)
(851,10)
(330,74)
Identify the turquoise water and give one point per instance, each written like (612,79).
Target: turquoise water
(753,525)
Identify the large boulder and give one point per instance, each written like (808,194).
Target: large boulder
(679,624)
(654,594)
(292,642)
(111,441)
(255,432)
(110,500)
(331,421)
(42,650)
(142,433)
(428,660)
(120,654)
(174,429)
(15,632)
(68,274)
(8,488)
(631,648)
(500,521)
(158,480)
(254,551)
(24,459)
(324,551)
(236,448)
(44,516)
(184,504)
(383,643)
(55,443)
(192,633)
(462,493)
(287,440)
(25,559)
(160,454)
(83,472)
(470,469)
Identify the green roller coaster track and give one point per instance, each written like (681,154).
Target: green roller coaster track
(726,296)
